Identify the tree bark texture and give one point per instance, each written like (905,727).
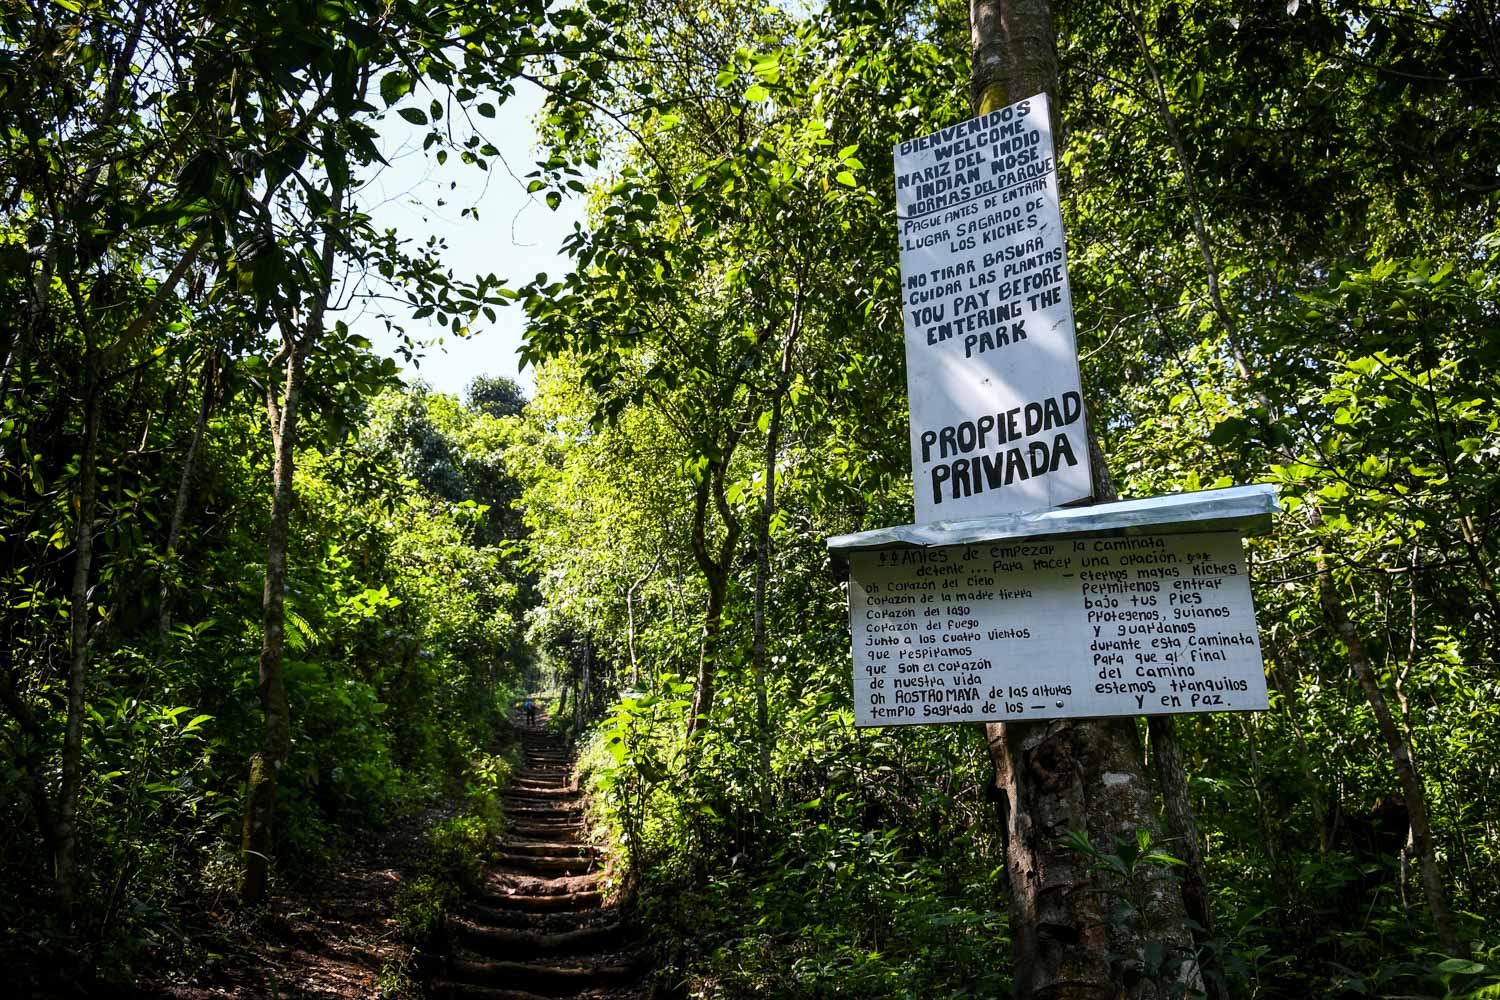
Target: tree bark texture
(184,487)
(65,836)
(759,645)
(585,700)
(1171,775)
(635,664)
(266,764)
(708,654)
(630,637)
(1031,55)
(1401,759)
(1172,772)
(988,76)
(1072,938)
(716,567)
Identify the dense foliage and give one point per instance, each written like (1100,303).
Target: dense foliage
(404,648)
(1283,251)
(182,226)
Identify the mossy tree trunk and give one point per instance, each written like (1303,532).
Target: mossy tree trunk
(297,343)
(266,763)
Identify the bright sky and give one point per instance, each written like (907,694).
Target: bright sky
(516,236)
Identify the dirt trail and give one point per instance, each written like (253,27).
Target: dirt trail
(539,927)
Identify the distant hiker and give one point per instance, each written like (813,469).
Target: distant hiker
(530,712)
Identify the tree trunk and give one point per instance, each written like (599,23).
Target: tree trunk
(716,568)
(184,487)
(1083,776)
(266,764)
(65,837)
(1071,936)
(1406,771)
(635,664)
(1171,774)
(584,699)
(988,76)
(759,644)
(708,654)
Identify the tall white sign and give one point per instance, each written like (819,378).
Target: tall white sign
(991,362)
(1053,628)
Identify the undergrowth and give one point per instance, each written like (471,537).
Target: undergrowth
(459,849)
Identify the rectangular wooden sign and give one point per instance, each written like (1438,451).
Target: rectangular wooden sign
(1052,628)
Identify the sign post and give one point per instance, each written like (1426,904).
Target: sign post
(994,608)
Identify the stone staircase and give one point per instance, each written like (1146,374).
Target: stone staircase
(539,927)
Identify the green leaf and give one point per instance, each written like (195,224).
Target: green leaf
(1233,430)
(756,93)
(394,86)
(413,115)
(195,722)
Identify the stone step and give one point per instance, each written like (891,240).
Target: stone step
(546,831)
(560,902)
(446,989)
(546,781)
(511,941)
(544,864)
(538,814)
(548,979)
(506,884)
(549,848)
(543,799)
(556,921)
